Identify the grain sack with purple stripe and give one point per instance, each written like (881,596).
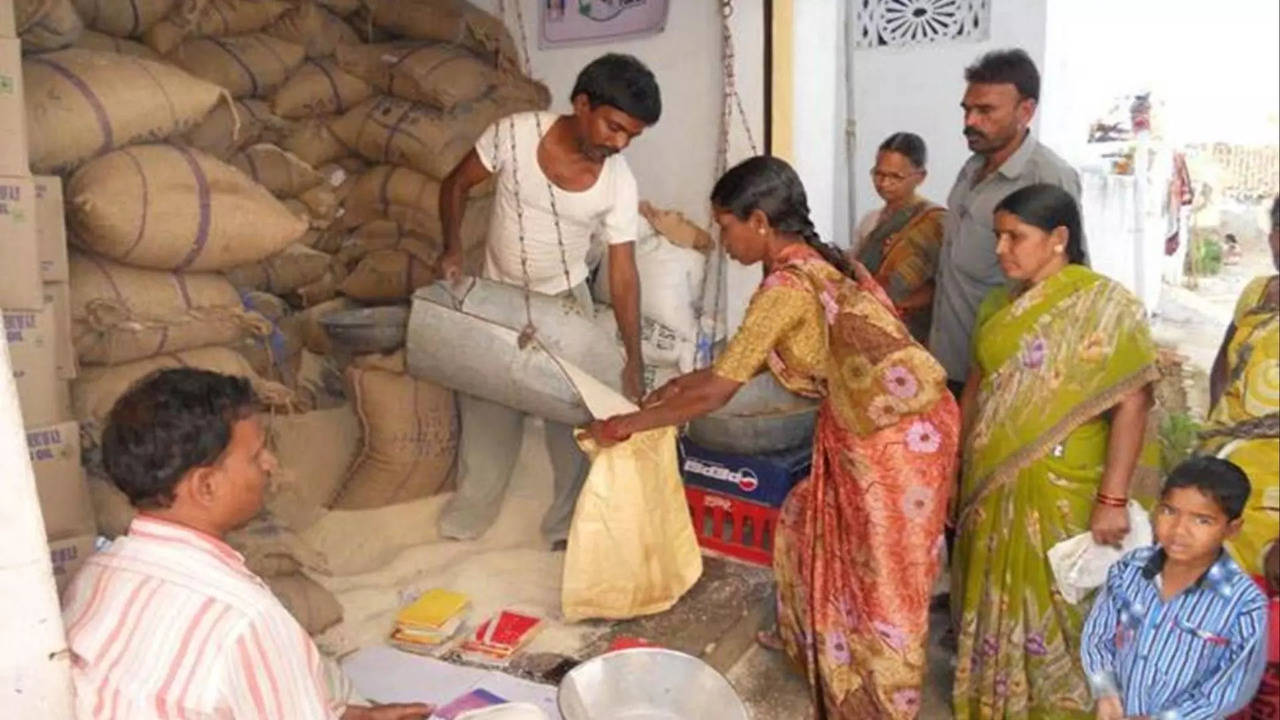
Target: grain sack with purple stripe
(171,208)
(319,87)
(451,21)
(231,127)
(216,18)
(401,132)
(410,435)
(282,273)
(319,31)
(246,65)
(282,173)
(438,74)
(313,141)
(411,199)
(392,274)
(101,42)
(82,103)
(123,18)
(96,389)
(55,26)
(120,314)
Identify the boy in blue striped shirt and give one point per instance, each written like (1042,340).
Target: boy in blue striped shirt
(1179,631)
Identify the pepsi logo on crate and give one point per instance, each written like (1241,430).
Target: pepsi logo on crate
(764,479)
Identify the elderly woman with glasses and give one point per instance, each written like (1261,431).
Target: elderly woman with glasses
(899,243)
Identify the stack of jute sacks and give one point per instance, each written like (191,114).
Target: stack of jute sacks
(236,170)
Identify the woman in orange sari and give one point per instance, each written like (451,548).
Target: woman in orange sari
(899,243)
(857,547)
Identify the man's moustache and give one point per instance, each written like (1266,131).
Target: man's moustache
(971,133)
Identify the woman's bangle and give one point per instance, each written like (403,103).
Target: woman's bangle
(1112,500)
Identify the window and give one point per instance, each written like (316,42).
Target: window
(897,23)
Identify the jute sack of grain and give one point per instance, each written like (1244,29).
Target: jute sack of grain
(319,87)
(121,313)
(437,73)
(192,18)
(82,103)
(314,337)
(271,307)
(341,8)
(453,21)
(313,451)
(322,204)
(251,65)
(276,356)
(318,291)
(231,127)
(270,548)
(375,235)
(410,436)
(111,508)
(58,27)
(319,31)
(96,390)
(123,18)
(101,42)
(315,608)
(281,172)
(329,241)
(313,141)
(411,199)
(171,208)
(401,132)
(282,273)
(388,275)
(27,12)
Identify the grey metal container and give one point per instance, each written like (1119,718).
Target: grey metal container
(367,330)
(763,417)
(648,684)
(465,338)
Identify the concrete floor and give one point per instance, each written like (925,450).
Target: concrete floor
(774,690)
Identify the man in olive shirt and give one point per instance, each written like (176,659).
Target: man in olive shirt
(999,103)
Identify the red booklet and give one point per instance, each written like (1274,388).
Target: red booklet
(509,633)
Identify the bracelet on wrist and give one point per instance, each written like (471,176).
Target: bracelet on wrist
(1112,500)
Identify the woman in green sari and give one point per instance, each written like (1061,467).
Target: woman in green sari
(899,243)
(1056,441)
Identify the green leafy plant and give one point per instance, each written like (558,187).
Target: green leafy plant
(1178,435)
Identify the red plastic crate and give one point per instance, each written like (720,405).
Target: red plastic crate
(732,526)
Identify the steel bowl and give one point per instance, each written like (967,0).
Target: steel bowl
(648,684)
(367,330)
(763,417)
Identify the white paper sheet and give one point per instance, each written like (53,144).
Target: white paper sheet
(385,675)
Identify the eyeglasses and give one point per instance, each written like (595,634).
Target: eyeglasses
(888,177)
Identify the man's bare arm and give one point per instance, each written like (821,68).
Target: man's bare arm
(453,202)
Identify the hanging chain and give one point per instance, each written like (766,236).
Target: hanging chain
(730,101)
(529,330)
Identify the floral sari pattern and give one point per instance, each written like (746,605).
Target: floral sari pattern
(1052,362)
(858,543)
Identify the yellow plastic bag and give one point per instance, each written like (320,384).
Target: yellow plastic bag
(632,549)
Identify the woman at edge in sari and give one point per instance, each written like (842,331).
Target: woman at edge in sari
(899,243)
(1244,422)
(857,546)
(1055,426)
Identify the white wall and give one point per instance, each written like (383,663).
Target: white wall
(674,161)
(918,89)
(819,149)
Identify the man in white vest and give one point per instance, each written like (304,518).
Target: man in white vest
(560,180)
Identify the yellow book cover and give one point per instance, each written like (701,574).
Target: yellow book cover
(433,609)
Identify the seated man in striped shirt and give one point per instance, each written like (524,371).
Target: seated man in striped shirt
(1179,630)
(168,622)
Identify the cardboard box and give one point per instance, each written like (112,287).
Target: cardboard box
(58,296)
(13,110)
(34,351)
(20,269)
(60,481)
(67,557)
(51,229)
(763,479)
(8,25)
